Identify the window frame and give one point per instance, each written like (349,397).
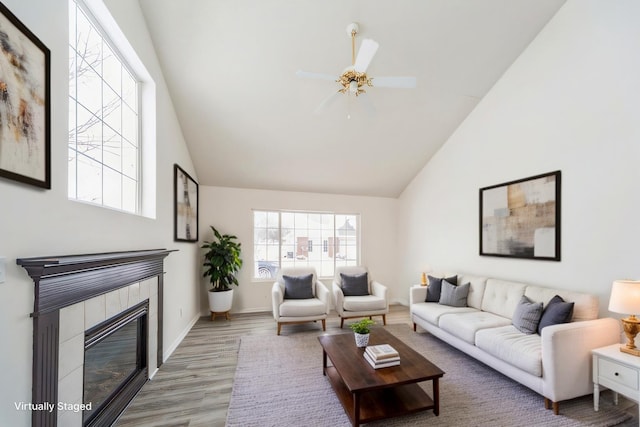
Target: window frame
(111,35)
(320,247)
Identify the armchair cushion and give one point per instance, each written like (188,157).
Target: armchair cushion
(298,287)
(302,308)
(364,303)
(356,285)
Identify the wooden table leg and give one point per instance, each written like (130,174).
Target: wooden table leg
(436,397)
(324,362)
(356,409)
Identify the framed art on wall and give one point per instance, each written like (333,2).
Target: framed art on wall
(25,133)
(185,213)
(521,219)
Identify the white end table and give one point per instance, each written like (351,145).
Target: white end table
(618,371)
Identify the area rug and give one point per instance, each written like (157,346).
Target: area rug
(279,382)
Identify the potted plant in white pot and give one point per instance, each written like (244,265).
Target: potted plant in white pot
(221,262)
(361,330)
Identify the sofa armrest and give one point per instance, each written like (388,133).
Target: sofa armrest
(566,355)
(323,294)
(417,294)
(277,297)
(338,298)
(380,290)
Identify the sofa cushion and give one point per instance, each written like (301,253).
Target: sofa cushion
(465,325)
(298,287)
(355,285)
(476,290)
(435,286)
(432,311)
(364,303)
(501,297)
(557,311)
(585,305)
(527,316)
(302,307)
(455,296)
(512,346)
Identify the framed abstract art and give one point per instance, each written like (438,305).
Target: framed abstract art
(185,214)
(521,219)
(25,131)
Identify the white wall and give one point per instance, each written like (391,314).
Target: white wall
(229,210)
(570,102)
(36,222)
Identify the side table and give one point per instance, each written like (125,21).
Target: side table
(617,371)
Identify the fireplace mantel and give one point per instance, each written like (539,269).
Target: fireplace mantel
(61,281)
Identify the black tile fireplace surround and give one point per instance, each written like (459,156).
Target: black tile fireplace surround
(61,281)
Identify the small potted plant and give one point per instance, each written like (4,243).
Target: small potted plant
(221,263)
(361,330)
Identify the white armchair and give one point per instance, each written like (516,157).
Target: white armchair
(374,303)
(302,307)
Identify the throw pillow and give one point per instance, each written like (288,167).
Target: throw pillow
(298,287)
(455,296)
(557,311)
(527,316)
(357,285)
(435,286)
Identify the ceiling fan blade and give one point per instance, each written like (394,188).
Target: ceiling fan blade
(308,75)
(366,53)
(326,102)
(394,82)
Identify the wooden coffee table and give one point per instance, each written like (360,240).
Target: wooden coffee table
(369,394)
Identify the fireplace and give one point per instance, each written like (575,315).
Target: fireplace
(115,360)
(97,333)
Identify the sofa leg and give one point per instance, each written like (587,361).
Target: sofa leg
(384,319)
(548,404)
(279,326)
(324,325)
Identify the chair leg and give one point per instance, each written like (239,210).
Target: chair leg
(279,326)
(384,319)
(341,322)
(324,325)
(414,327)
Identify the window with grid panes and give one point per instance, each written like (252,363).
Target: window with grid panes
(287,239)
(104,143)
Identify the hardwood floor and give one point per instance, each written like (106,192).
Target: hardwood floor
(193,387)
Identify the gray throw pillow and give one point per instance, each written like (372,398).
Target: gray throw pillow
(557,311)
(435,287)
(527,316)
(455,296)
(356,285)
(298,287)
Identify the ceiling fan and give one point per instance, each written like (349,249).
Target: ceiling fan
(354,78)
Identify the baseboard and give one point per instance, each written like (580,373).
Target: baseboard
(166,353)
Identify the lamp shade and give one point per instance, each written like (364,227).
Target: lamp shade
(625,297)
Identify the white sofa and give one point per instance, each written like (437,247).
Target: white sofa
(555,364)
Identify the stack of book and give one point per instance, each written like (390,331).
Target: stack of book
(381,356)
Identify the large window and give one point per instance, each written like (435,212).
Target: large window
(294,239)
(104,118)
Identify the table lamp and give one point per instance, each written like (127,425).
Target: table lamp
(625,299)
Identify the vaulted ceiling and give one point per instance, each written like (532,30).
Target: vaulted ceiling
(249,122)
